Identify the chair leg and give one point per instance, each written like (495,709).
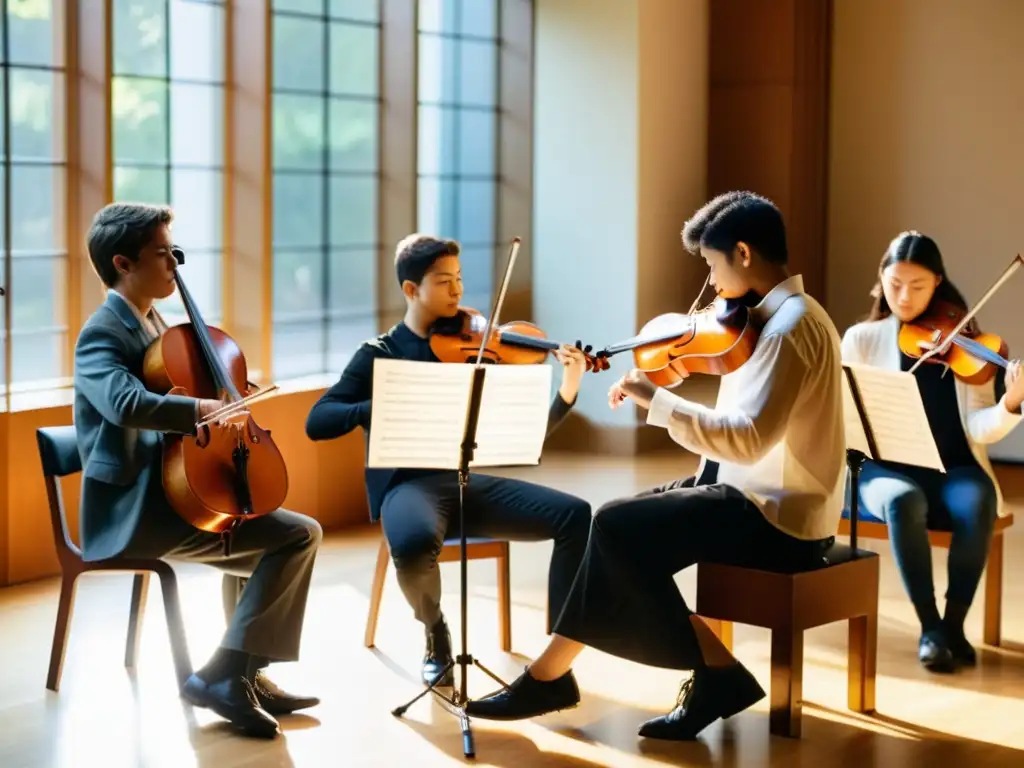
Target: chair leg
(376,592)
(786,694)
(175,624)
(65,609)
(993,632)
(504,598)
(862,658)
(140,591)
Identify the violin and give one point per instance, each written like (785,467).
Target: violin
(459,339)
(231,470)
(972,355)
(715,340)
(949,335)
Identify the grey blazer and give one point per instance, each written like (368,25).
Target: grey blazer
(120,425)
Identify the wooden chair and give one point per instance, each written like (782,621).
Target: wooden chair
(993,622)
(476,549)
(58,452)
(787,603)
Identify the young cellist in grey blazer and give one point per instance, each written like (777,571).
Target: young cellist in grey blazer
(124,511)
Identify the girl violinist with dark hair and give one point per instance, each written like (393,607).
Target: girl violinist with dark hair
(964,418)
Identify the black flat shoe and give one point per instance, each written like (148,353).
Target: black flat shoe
(438,655)
(528,697)
(278,702)
(934,653)
(962,651)
(710,694)
(234,699)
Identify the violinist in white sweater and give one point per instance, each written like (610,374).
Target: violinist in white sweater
(966,498)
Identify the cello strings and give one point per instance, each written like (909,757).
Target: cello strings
(236,406)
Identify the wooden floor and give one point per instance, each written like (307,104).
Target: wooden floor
(104,717)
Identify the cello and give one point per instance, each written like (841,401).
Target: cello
(230,470)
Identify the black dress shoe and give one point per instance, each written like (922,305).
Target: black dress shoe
(710,694)
(962,651)
(234,699)
(934,653)
(278,702)
(438,655)
(528,697)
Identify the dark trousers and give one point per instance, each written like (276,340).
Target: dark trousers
(266,579)
(910,500)
(624,600)
(418,515)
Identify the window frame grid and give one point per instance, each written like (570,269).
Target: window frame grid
(55,330)
(325,173)
(395,208)
(220,86)
(457,107)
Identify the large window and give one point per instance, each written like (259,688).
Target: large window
(168,91)
(32,166)
(325,125)
(458,118)
(168,104)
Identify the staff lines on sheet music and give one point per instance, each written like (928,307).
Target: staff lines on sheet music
(419,398)
(896,416)
(420,408)
(411,418)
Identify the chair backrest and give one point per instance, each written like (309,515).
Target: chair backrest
(58,453)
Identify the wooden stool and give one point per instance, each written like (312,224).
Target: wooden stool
(993,625)
(789,603)
(58,452)
(476,549)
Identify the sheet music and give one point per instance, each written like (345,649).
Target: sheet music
(856,439)
(419,411)
(895,413)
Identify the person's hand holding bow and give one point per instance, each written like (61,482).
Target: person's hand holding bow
(634,385)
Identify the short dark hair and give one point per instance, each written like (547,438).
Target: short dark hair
(122,229)
(738,217)
(417,253)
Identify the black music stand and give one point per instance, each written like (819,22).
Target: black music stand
(515,404)
(883,407)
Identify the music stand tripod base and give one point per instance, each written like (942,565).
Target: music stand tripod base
(459,699)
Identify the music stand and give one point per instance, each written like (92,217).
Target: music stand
(515,405)
(885,421)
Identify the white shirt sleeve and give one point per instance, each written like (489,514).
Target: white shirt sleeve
(771,383)
(988,421)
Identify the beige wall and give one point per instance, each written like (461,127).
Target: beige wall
(619,164)
(927,132)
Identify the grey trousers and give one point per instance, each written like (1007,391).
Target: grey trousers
(266,580)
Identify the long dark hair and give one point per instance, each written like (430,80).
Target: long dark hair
(913,247)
